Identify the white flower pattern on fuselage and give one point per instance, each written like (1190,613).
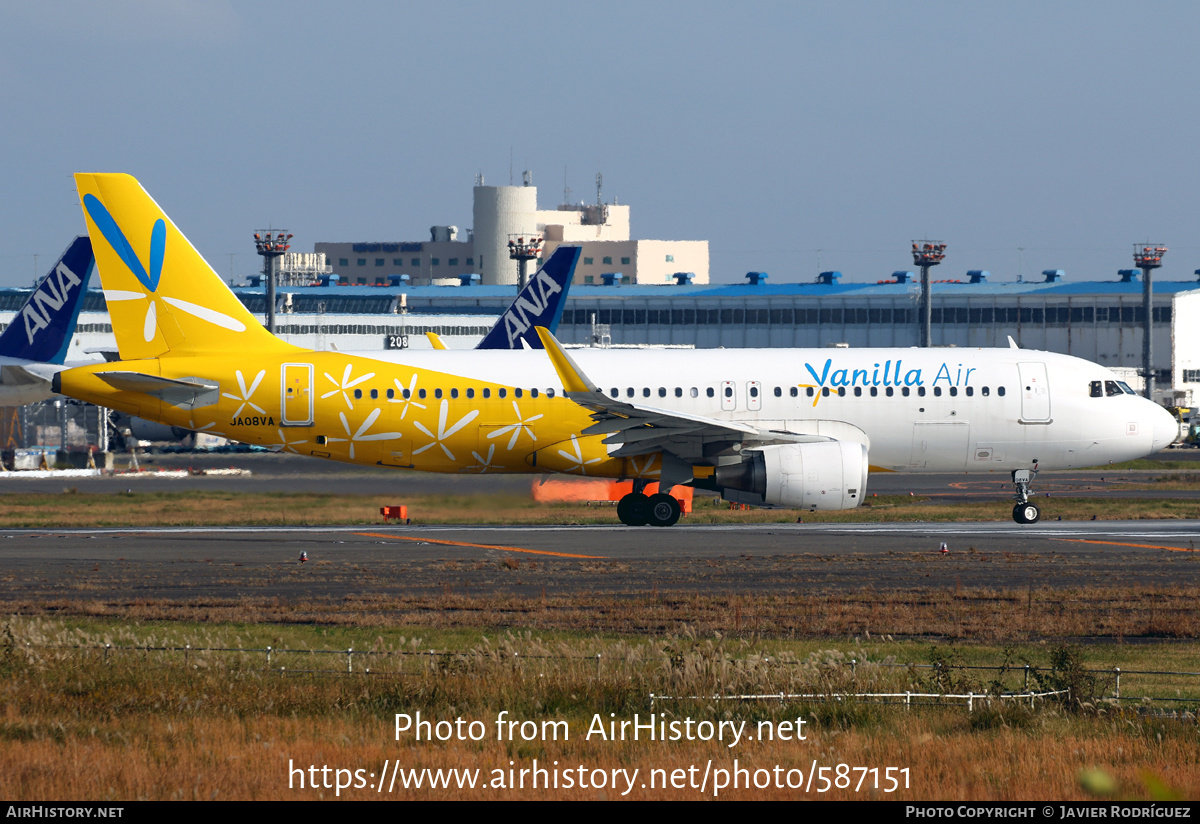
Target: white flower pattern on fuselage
(443,433)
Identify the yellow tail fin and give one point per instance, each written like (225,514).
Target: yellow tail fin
(163,297)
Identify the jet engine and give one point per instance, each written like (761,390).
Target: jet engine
(823,475)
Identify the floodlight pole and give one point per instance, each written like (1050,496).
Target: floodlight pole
(1148,258)
(927,253)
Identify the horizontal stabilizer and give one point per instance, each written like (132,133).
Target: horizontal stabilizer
(185,393)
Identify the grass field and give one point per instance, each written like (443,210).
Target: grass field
(146,723)
(75,509)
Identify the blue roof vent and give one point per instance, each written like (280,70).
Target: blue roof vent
(1053,275)
(254,281)
(978,275)
(399,280)
(612,278)
(1128,275)
(829,278)
(683,278)
(468,280)
(1197,273)
(756,278)
(329,280)
(903,277)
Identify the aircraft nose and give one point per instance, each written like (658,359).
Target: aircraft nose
(1164,427)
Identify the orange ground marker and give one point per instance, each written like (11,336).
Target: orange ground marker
(477,546)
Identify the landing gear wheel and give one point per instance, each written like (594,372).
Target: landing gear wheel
(1026,513)
(664,510)
(634,509)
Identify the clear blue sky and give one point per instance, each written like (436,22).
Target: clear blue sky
(773,130)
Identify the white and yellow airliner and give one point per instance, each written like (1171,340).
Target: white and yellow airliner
(785,427)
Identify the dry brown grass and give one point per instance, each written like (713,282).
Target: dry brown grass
(976,614)
(148,725)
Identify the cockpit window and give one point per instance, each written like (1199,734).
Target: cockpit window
(1097,389)
(1111,388)
(1126,388)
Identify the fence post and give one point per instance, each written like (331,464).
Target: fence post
(1026,687)
(107,647)
(854,669)
(1117,670)
(971,701)
(187,651)
(350,660)
(268,657)
(597,664)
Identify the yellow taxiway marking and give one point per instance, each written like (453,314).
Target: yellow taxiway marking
(478,546)
(1118,543)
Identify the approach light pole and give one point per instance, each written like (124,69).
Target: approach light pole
(1148,258)
(271,244)
(927,253)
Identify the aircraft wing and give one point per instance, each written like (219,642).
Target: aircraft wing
(684,439)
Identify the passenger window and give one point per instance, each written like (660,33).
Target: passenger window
(662,391)
(970,391)
(550,392)
(808,390)
(645,391)
(824,391)
(953,391)
(502,392)
(841,391)
(695,392)
(615,391)
(729,391)
(629,392)
(454,393)
(858,391)
(1000,391)
(937,391)
(1097,389)
(986,391)
(921,391)
(357,394)
(709,391)
(754,391)
(794,391)
(391,393)
(487,393)
(437,393)
(905,391)
(374,394)
(874,391)
(470,393)
(679,391)
(533,393)
(891,391)
(517,393)
(420,393)
(778,392)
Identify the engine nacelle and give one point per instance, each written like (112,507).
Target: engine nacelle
(824,475)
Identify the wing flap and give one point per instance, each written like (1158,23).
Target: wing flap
(185,393)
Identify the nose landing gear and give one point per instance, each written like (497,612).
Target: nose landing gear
(1024,512)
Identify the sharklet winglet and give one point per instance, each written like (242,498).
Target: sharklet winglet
(572,377)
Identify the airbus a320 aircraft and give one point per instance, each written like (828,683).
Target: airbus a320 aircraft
(795,428)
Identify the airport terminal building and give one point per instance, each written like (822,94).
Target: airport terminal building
(1100,321)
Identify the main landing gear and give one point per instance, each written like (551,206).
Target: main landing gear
(639,509)
(1024,512)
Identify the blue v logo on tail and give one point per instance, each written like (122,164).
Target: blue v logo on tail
(540,303)
(41,331)
(116,238)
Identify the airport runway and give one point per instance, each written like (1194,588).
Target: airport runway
(190,564)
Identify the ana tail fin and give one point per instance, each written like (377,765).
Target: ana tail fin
(540,303)
(164,299)
(41,331)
